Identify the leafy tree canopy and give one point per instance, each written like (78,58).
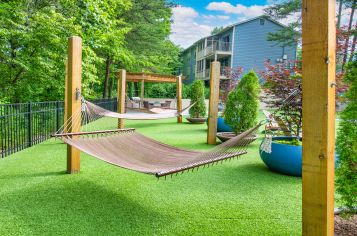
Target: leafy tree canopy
(116,34)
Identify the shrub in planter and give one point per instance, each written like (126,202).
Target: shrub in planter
(346,174)
(197,96)
(242,106)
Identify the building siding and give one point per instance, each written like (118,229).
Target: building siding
(189,64)
(251,47)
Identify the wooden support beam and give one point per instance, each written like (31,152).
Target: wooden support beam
(65,97)
(179,97)
(142,94)
(121,96)
(213,102)
(318,53)
(73,99)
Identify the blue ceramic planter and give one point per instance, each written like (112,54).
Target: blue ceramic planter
(284,158)
(221,125)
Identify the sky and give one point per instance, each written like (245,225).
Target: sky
(194,19)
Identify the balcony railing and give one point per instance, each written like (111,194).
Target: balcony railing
(214,47)
(206,73)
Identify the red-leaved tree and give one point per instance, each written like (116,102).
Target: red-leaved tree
(283,93)
(233,75)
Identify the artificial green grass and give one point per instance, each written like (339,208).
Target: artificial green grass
(241,197)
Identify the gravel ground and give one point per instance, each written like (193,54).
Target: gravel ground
(345,227)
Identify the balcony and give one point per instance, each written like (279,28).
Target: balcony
(205,75)
(215,47)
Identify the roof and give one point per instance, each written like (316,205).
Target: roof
(236,24)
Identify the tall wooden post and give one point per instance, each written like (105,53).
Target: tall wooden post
(213,102)
(319,42)
(142,94)
(65,97)
(179,97)
(121,96)
(73,99)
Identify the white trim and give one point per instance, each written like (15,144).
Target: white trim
(233,38)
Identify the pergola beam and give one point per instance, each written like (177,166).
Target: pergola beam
(318,64)
(150,78)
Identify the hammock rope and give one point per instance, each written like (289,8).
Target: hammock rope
(154,115)
(131,150)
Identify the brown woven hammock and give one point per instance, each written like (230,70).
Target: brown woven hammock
(131,150)
(152,114)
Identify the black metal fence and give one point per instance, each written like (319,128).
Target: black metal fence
(23,125)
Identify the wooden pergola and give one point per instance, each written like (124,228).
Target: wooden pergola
(319,49)
(124,77)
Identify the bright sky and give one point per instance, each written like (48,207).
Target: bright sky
(194,19)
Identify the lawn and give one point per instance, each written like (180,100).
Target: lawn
(241,197)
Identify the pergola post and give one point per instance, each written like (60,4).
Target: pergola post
(179,97)
(318,52)
(213,102)
(73,99)
(121,96)
(142,94)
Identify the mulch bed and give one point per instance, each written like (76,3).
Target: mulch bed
(345,227)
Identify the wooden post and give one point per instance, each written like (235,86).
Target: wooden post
(142,94)
(65,97)
(179,97)
(319,48)
(213,102)
(121,96)
(73,99)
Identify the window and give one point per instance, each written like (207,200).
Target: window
(199,66)
(261,21)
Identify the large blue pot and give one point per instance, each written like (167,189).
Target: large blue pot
(221,125)
(284,158)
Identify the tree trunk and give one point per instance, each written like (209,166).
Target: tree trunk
(354,41)
(110,88)
(106,78)
(136,89)
(349,29)
(339,16)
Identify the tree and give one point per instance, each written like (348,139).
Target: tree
(350,22)
(284,94)
(116,34)
(346,174)
(242,106)
(292,33)
(217,30)
(32,39)
(197,96)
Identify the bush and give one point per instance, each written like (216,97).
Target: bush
(242,105)
(197,96)
(346,174)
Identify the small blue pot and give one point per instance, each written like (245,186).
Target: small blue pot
(284,158)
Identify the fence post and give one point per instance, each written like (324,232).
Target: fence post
(29,120)
(57,115)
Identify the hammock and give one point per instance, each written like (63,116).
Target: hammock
(154,115)
(128,149)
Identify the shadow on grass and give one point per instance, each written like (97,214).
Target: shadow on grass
(78,206)
(33,175)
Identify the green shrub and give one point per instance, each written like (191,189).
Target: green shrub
(346,174)
(242,105)
(197,96)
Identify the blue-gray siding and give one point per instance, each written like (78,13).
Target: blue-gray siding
(251,47)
